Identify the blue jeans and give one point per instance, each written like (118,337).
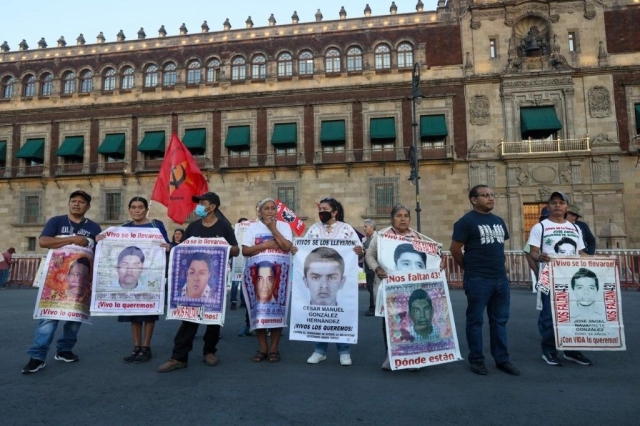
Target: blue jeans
(44,336)
(492,294)
(545,327)
(322,347)
(4,276)
(234,291)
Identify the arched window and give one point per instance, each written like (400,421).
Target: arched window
(305,63)
(285,65)
(151,76)
(405,55)
(127,78)
(238,69)
(86,81)
(46,85)
(332,61)
(213,71)
(30,86)
(383,57)
(7,87)
(193,72)
(259,67)
(69,83)
(169,75)
(354,59)
(109,81)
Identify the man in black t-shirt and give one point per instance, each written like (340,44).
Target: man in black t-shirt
(212,224)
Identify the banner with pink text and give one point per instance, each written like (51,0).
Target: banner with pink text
(585,301)
(197,277)
(65,293)
(129,272)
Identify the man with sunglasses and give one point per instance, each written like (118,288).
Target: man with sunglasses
(482,235)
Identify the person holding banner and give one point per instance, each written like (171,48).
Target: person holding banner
(74,228)
(130,264)
(324,268)
(212,224)
(266,234)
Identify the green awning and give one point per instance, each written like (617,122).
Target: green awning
(383,129)
(152,142)
(112,145)
(332,132)
(3,151)
(285,134)
(73,146)
(32,148)
(433,126)
(238,137)
(538,122)
(637,117)
(193,139)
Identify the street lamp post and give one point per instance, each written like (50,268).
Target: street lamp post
(416,99)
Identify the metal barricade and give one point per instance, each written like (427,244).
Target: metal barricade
(23,272)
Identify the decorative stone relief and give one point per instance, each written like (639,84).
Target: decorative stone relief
(576,172)
(517,176)
(482,145)
(564,173)
(475,24)
(544,173)
(603,139)
(589,10)
(599,102)
(614,165)
(545,192)
(599,170)
(538,82)
(482,174)
(491,174)
(479,110)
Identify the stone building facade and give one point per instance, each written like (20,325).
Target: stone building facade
(526,96)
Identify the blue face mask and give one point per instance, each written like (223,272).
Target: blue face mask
(201,211)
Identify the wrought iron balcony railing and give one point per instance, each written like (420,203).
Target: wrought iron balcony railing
(544,146)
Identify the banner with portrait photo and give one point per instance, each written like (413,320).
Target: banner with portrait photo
(197,277)
(399,254)
(419,320)
(324,301)
(237,263)
(65,290)
(266,288)
(129,272)
(585,302)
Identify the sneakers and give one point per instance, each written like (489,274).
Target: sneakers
(316,358)
(576,356)
(210,360)
(66,356)
(345,359)
(478,368)
(132,356)
(552,359)
(143,356)
(33,366)
(508,368)
(171,365)
(234,306)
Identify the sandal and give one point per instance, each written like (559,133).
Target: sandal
(143,356)
(259,357)
(132,356)
(274,356)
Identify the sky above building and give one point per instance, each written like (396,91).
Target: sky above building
(70,18)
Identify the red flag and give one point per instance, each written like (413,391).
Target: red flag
(179,179)
(285,214)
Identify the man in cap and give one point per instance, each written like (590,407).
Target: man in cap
(78,230)
(587,237)
(542,239)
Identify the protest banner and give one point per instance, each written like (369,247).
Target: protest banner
(585,302)
(197,269)
(129,273)
(285,214)
(324,301)
(419,320)
(65,292)
(266,286)
(237,263)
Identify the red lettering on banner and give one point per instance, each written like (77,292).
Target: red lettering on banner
(562,307)
(611,305)
(409,362)
(442,357)
(395,279)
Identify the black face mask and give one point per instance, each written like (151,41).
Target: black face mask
(324,216)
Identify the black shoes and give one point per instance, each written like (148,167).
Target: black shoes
(508,368)
(478,368)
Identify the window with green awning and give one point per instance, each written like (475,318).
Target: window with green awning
(33,149)
(73,146)
(433,127)
(539,122)
(285,135)
(333,132)
(238,138)
(153,142)
(194,139)
(3,151)
(112,145)
(637,108)
(382,129)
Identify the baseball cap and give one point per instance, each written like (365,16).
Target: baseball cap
(573,209)
(211,197)
(559,194)
(82,194)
